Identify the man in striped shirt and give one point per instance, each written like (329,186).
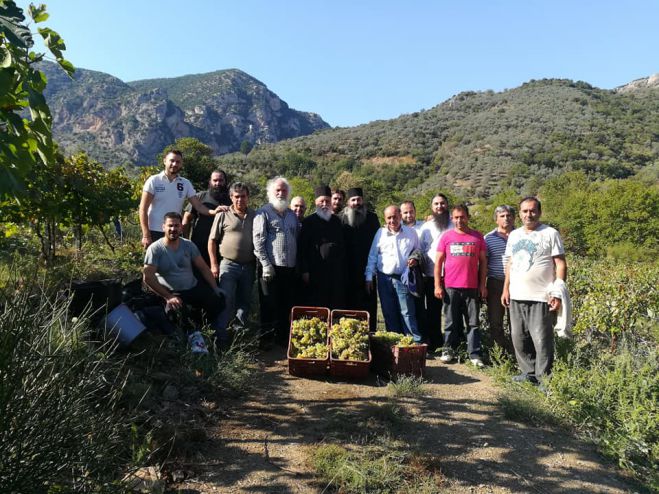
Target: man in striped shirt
(496,241)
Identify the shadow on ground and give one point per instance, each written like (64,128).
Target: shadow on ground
(261,442)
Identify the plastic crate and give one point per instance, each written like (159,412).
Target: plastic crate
(307,367)
(393,360)
(349,369)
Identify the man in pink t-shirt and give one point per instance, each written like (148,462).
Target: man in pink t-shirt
(460,274)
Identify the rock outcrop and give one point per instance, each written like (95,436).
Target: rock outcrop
(116,122)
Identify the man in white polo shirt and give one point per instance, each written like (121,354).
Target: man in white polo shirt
(163,193)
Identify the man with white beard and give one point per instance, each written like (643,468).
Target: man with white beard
(275,233)
(430,321)
(359,227)
(321,255)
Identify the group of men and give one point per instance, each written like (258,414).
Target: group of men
(340,256)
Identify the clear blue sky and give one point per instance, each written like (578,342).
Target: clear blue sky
(356,61)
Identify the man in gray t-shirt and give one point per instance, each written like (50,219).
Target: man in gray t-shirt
(168,272)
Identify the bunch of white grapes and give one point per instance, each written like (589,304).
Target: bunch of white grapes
(390,338)
(309,338)
(350,339)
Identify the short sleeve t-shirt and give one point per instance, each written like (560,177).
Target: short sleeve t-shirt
(429,235)
(462,251)
(167,197)
(532,267)
(173,267)
(496,255)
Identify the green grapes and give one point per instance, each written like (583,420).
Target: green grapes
(350,339)
(390,338)
(406,341)
(309,338)
(387,337)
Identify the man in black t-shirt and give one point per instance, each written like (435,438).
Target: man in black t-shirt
(197,227)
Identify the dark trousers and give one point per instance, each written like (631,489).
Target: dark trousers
(461,303)
(496,313)
(357,298)
(431,316)
(203,297)
(532,330)
(156,235)
(276,300)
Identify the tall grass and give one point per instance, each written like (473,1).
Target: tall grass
(605,383)
(614,399)
(60,429)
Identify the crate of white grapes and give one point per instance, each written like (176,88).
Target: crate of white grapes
(308,351)
(350,353)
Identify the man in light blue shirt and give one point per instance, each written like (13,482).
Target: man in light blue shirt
(388,258)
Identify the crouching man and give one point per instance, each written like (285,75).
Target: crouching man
(168,272)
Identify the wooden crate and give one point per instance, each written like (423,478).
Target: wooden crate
(392,360)
(307,367)
(349,369)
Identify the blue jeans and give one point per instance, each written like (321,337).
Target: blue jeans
(236,280)
(461,304)
(398,306)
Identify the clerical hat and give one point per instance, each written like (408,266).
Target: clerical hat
(322,190)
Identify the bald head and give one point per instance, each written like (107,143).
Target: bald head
(392,218)
(299,207)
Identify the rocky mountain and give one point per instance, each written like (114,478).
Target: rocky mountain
(116,122)
(642,83)
(480,143)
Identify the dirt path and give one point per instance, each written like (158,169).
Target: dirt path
(262,444)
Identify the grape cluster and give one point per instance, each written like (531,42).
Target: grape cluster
(390,338)
(309,338)
(350,339)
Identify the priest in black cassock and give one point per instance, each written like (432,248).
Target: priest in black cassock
(322,255)
(359,227)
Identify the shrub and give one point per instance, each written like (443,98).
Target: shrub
(59,425)
(613,398)
(384,468)
(406,387)
(605,383)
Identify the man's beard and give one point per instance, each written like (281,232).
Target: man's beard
(220,194)
(354,216)
(324,214)
(279,204)
(441,220)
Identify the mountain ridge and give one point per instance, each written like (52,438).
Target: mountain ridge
(482,142)
(117,122)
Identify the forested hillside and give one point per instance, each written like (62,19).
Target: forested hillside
(479,143)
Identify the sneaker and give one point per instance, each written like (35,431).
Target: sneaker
(446,357)
(522,378)
(477,362)
(197,343)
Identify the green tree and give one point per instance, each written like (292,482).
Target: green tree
(92,195)
(593,216)
(74,192)
(198,161)
(302,187)
(24,142)
(245,147)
